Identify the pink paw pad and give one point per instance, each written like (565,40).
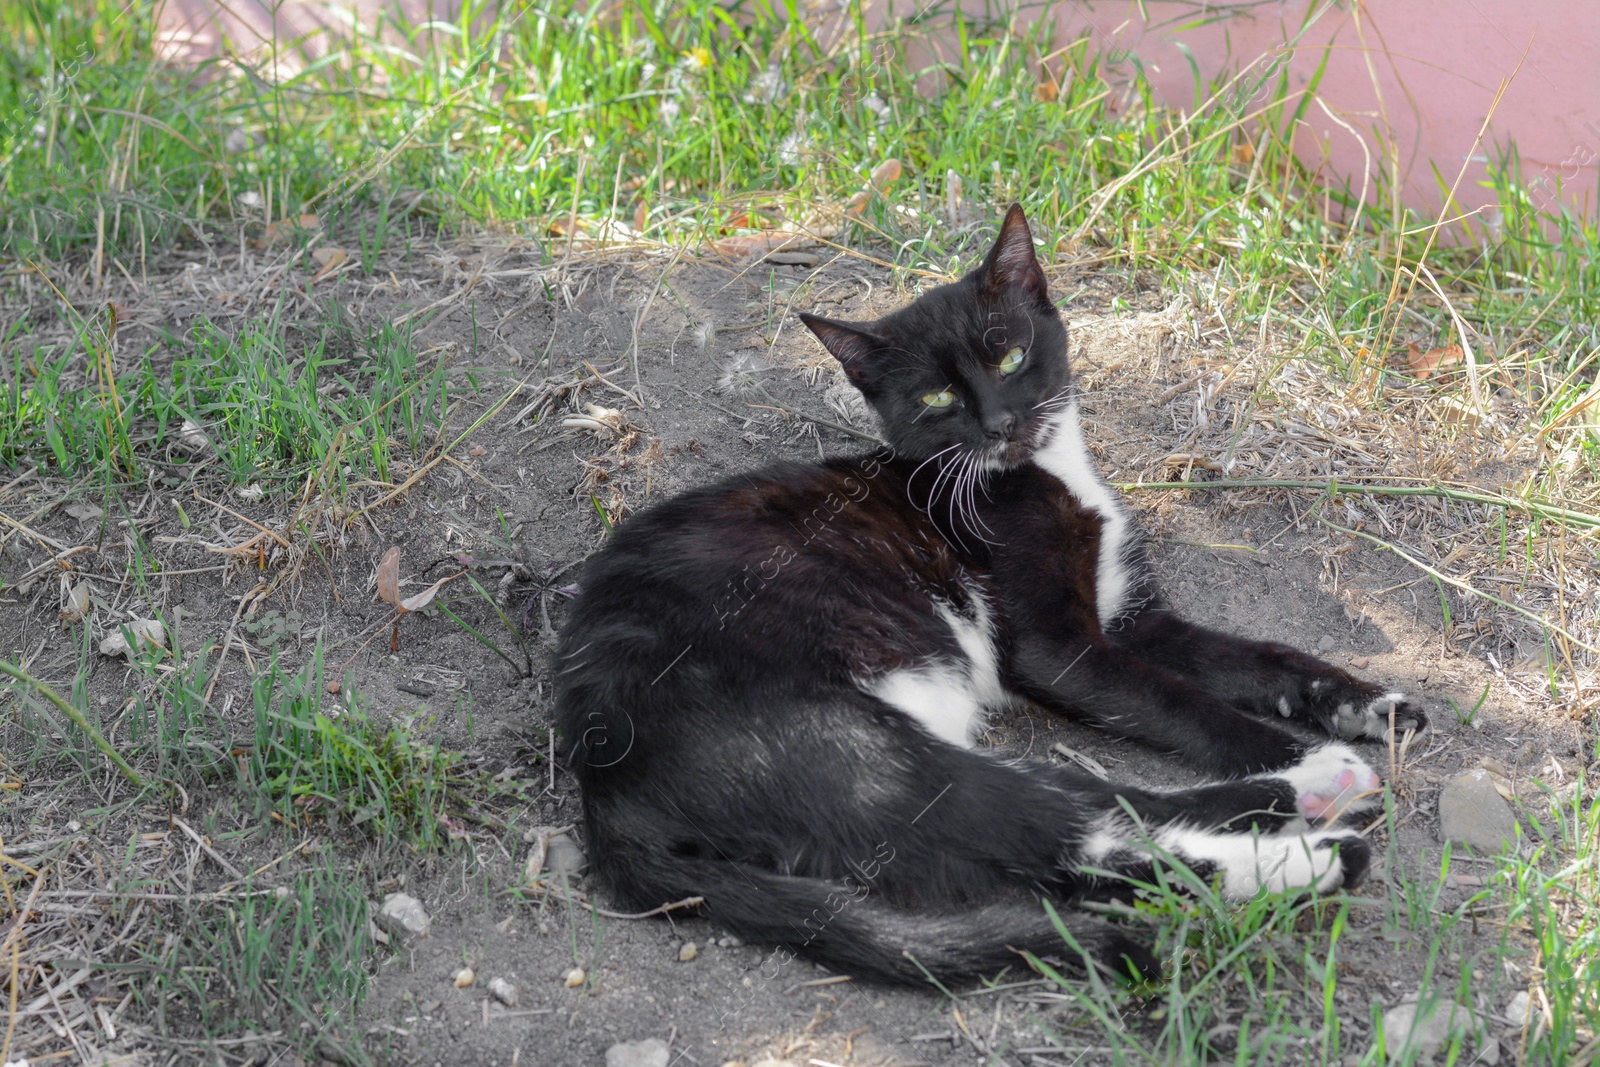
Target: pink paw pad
(1351,786)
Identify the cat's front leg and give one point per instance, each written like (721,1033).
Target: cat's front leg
(1116,689)
(1347,707)
(1270,678)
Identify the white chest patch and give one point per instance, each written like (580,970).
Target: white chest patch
(1066,456)
(949,697)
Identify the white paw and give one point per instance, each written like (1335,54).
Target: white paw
(1249,863)
(1309,861)
(1333,781)
(1372,719)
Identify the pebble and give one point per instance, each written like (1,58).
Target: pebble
(1522,1011)
(1472,812)
(403,918)
(574,978)
(563,856)
(553,852)
(687,952)
(1441,1022)
(464,977)
(143,630)
(504,992)
(651,1052)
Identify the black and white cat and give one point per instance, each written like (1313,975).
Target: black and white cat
(769,687)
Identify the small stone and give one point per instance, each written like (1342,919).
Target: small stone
(403,918)
(1472,812)
(85,512)
(1360,663)
(687,952)
(651,1052)
(145,632)
(464,977)
(1423,1028)
(1326,643)
(503,991)
(574,978)
(553,852)
(563,856)
(729,942)
(428,1007)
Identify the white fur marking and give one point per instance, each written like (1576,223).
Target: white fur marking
(1066,456)
(949,698)
(1283,707)
(1250,864)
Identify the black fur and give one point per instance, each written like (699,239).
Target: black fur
(714,697)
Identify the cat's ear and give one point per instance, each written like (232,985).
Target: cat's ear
(1011,265)
(850,344)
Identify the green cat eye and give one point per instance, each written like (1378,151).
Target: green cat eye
(942,399)
(1012,360)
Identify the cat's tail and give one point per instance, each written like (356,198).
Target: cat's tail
(850,929)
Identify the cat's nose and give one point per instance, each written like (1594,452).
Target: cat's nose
(1002,428)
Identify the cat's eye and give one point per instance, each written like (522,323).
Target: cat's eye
(942,399)
(1012,361)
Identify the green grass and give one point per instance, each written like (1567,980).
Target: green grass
(292,961)
(273,400)
(321,760)
(310,759)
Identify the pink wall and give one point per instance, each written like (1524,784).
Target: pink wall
(1420,75)
(1436,64)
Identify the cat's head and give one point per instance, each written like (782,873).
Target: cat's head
(969,371)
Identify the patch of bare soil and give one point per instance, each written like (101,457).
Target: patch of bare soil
(633,382)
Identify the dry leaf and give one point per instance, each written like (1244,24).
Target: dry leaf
(191,438)
(882,175)
(424,598)
(77,604)
(84,512)
(1243,153)
(761,244)
(1425,364)
(604,421)
(276,231)
(641,215)
(389,576)
(1046,92)
(331,260)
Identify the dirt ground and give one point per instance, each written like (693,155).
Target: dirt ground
(705,371)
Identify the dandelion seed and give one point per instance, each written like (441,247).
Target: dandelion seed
(766,87)
(793,148)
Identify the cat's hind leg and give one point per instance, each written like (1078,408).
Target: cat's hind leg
(1241,864)
(1234,832)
